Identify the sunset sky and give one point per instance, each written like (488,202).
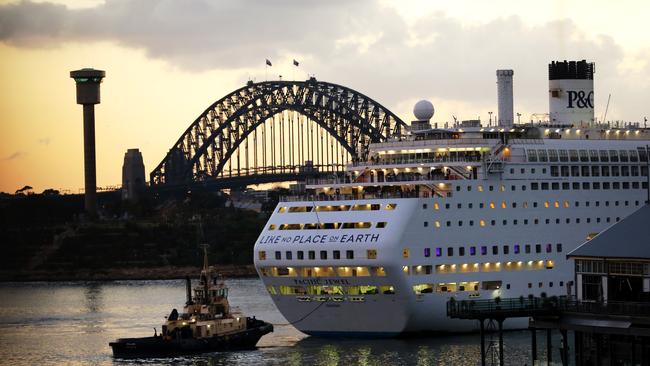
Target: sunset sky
(166,61)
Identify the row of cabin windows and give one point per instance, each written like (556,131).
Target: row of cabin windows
(483,250)
(484,223)
(593,156)
(348,271)
(598,171)
(428,288)
(328,226)
(525,204)
(334,208)
(479,267)
(541,284)
(311,254)
(535,186)
(335,290)
(555,186)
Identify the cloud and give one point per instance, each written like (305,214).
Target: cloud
(15,156)
(361,44)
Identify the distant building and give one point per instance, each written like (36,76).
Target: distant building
(133,181)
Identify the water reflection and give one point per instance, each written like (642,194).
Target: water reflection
(93,297)
(75,321)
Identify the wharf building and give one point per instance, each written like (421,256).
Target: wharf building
(611,317)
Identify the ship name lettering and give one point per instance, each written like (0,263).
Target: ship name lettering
(337,282)
(360,238)
(315,281)
(270,239)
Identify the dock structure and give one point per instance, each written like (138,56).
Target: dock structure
(499,310)
(608,328)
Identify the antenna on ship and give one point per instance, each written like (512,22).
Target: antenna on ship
(606,108)
(647,158)
(205,247)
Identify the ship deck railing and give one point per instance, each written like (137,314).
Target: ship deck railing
(403,161)
(540,306)
(406,178)
(347,197)
(432,143)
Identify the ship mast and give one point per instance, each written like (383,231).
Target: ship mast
(205,247)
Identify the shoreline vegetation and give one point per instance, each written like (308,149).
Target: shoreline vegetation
(46,237)
(124,274)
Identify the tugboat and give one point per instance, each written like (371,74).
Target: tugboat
(207,324)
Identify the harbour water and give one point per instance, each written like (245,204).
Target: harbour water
(71,323)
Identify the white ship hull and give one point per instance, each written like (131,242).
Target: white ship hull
(487,235)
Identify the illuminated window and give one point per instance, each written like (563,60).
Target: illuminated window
(491,204)
(271,290)
(566,204)
(261,255)
(482,222)
(437,223)
(282,209)
(556,204)
(378,271)
(436,206)
(391,206)
(372,253)
(480,188)
(272,227)
(546,204)
(405,252)
(504,205)
(425,288)
(438,252)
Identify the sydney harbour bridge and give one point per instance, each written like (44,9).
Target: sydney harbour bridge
(276,131)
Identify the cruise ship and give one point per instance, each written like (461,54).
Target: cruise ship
(462,212)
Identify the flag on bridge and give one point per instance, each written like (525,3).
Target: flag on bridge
(268,62)
(295,63)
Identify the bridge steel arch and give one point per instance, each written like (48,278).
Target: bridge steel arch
(351,118)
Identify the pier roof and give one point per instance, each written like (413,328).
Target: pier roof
(629,238)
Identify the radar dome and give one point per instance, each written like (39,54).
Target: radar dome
(423,110)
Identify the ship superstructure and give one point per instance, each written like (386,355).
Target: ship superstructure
(469,212)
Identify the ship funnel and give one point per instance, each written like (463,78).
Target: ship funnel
(504,94)
(571,92)
(188,291)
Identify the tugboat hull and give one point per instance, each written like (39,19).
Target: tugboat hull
(157,346)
